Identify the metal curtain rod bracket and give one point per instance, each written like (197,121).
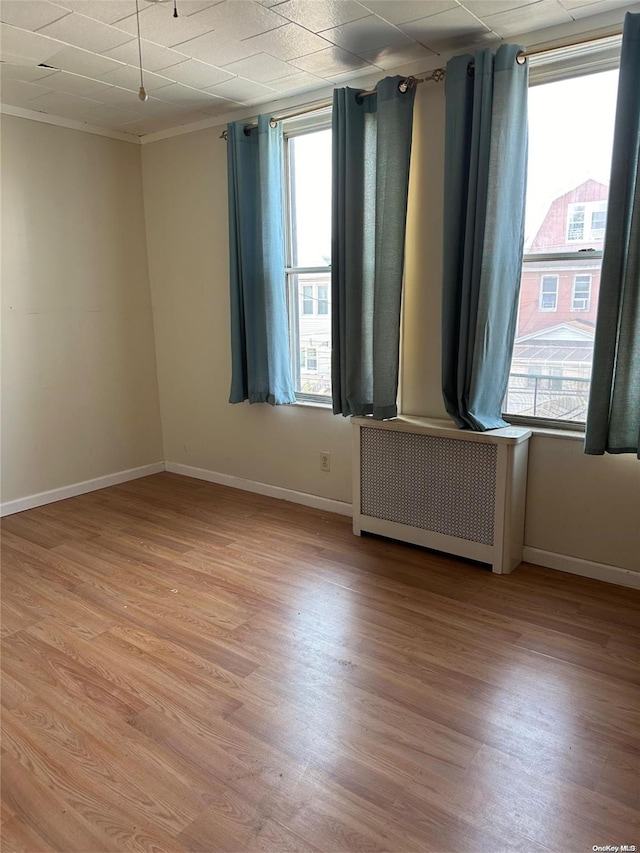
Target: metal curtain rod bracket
(403,86)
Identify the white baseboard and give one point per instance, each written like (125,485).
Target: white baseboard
(72,491)
(585,568)
(314,501)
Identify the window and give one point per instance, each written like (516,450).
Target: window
(549,293)
(309,359)
(586,222)
(581,293)
(308,226)
(566,208)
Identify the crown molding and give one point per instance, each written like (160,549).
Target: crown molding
(70,124)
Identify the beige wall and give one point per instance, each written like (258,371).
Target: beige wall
(185,192)
(79,386)
(579,506)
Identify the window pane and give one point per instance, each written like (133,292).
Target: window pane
(569,162)
(312,333)
(310,178)
(567,194)
(551,366)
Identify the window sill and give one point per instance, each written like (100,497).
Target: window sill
(308,404)
(550,432)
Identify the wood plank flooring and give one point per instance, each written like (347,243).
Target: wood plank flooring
(187,667)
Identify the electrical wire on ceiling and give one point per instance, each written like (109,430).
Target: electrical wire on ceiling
(142,92)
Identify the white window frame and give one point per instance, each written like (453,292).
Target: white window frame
(589,234)
(586,299)
(306,359)
(295,128)
(542,293)
(580,65)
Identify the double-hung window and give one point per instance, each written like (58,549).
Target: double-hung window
(567,193)
(307,170)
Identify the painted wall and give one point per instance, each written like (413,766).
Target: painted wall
(580,506)
(79,386)
(185,192)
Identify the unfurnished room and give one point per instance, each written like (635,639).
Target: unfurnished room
(320,426)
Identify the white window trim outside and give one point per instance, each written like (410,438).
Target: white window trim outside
(590,207)
(581,298)
(542,293)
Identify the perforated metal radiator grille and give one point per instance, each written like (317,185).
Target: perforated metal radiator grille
(439,484)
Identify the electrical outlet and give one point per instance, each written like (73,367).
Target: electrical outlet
(325,461)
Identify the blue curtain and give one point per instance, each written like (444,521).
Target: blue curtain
(484,198)
(371,153)
(613,417)
(260,365)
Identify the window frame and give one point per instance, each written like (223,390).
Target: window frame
(580,66)
(588,296)
(292,129)
(541,306)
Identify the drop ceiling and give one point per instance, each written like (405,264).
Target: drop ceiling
(78,59)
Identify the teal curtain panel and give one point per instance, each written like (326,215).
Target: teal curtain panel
(260,366)
(613,416)
(484,203)
(371,155)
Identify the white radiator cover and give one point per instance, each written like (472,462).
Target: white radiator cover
(425,481)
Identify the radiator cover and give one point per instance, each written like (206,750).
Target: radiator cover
(427,482)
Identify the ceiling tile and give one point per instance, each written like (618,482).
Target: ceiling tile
(128,77)
(63,104)
(544,13)
(217,49)
(303,81)
(366,35)
(153,124)
(261,68)
(331,60)
(287,42)
(157,24)
(107,11)
(316,15)
(387,58)
(75,84)
(185,96)
(21,44)
(192,7)
(239,19)
(350,78)
(239,89)
(192,72)
(108,116)
(154,56)
(80,61)
(119,97)
(25,73)
(18,93)
(31,15)
(403,11)
(86,33)
(577,9)
(481,8)
(446,28)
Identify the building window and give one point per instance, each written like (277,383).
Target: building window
(566,208)
(308,272)
(581,298)
(549,293)
(309,359)
(586,222)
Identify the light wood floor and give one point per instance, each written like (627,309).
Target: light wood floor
(192,668)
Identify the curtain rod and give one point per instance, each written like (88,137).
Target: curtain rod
(437,76)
